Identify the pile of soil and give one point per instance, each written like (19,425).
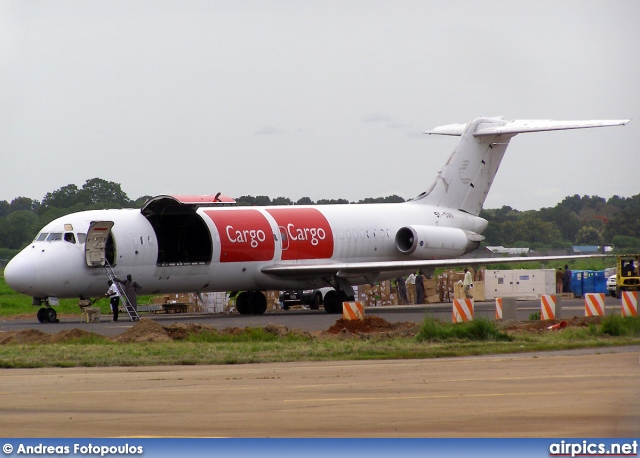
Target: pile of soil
(537,326)
(373,325)
(145,330)
(34,336)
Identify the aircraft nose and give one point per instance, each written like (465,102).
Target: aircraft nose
(20,274)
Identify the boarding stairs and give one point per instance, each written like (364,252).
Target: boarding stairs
(133,313)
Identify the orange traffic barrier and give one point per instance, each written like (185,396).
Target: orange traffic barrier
(561,325)
(462,310)
(548,307)
(629,303)
(498,308)
(594,304)
(352,311)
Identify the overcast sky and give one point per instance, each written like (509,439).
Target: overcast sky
(325,99)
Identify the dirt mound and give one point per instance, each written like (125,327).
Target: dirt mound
(371,325)
(182,331)
(543,325)
(145,330)
(25,336)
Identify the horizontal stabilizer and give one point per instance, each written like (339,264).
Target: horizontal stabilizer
(523,126)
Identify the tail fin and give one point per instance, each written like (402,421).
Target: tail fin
(465,180)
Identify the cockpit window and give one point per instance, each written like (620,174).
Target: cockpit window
(54,237)
(69,237)
(42,237)
(82,237)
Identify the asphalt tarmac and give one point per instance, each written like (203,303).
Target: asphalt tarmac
(579,394)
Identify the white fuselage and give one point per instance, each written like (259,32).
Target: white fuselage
(244,240)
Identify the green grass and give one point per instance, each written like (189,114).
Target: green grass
(476,330)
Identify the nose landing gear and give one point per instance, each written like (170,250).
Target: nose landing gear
(47,314)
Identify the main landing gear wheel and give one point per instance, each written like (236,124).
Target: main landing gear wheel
(251,302)
(333,301)
(52,315)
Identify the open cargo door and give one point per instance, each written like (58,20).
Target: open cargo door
(99,245)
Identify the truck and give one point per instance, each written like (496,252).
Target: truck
(313,298)
(628,273)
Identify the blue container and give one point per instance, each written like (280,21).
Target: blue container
(600,282)
(583,282)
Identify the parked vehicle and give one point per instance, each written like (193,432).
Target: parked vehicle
(612,285)
(628,275)
(313,298)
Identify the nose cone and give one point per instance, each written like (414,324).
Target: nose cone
(20,274)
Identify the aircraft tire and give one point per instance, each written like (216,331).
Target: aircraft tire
(42,315)
(257,303)
(52,316)
(242,303)
(332,303)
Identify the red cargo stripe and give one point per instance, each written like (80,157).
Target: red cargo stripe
(308,233)
(245,235)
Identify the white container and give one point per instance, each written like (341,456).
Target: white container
(521,284)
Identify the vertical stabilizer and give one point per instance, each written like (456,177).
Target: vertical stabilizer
(465,180)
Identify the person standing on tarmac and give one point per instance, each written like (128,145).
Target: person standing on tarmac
(559,280)
(411,288)
(402,291)
(114,298)
(419,288)
(131,288)
(467,283)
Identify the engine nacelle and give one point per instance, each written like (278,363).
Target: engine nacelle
(427,242)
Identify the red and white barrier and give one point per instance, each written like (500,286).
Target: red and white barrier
(498,308)
(629,303)
(548,307)
(462,310)
(352,311)
(594,304)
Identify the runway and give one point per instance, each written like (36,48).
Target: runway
(587,393)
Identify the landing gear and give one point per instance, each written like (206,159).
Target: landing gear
(47,315)
(251,302)
(43,316)
(333,301)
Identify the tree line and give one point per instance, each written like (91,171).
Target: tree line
(577,220)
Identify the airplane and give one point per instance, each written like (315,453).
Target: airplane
(186,243)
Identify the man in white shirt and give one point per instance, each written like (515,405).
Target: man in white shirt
(114,299)
(467,283)
(411,288)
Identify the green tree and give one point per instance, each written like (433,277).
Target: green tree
(99,193)
(304,201)
(589,235)
(65,197)
(18,228)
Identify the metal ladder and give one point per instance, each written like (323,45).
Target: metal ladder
(133,314)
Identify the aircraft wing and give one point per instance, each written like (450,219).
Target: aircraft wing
(358,269)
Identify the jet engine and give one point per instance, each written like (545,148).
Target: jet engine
(426,242)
